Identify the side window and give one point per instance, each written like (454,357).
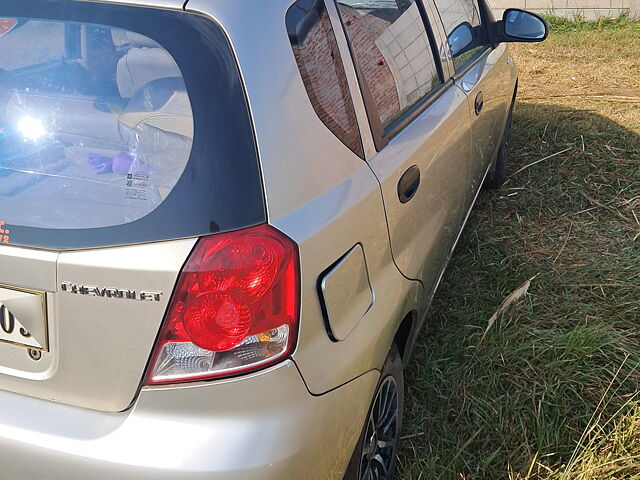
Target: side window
(316,52)
(391,46)
(461,19)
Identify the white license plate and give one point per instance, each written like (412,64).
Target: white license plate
(23,318)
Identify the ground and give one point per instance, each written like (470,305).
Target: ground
(552,389)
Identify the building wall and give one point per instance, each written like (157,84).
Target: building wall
(589,9)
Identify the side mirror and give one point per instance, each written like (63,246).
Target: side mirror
(461,39)
(521,26)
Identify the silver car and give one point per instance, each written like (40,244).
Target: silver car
(222,223)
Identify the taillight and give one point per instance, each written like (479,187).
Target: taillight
(234,309)
(7,24)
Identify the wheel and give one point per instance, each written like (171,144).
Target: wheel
(375,455)
(498,172)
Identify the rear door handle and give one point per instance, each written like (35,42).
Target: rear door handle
(479,104)
(408,184)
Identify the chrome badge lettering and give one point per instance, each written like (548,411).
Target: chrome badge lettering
(108,292)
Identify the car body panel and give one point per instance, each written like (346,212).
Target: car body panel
(302,417)
(490,78)
(99,346)
(225,431)
(346,287)
(438,142)
(28,268)
(319,204)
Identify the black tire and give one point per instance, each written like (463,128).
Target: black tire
(498,172)
(375,455)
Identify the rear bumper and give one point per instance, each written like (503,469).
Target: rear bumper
(263,426)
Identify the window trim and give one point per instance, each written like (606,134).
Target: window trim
(357,94)
(398,125)
(441,43)
(382,135)
(372,112)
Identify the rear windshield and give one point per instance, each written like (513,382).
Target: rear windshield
(120,125)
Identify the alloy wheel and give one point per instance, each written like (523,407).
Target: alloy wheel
(381,435)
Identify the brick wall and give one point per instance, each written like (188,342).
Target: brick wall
(394,56)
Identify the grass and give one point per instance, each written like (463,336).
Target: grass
(579,23)
(553,390)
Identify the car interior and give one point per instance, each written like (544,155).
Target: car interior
(122,142)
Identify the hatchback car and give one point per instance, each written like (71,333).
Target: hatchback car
(222,223)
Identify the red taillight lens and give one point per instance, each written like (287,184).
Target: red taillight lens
(7,24)
(234,309)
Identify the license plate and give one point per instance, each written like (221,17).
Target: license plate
(23,318)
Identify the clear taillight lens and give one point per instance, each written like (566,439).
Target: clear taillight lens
(234,309)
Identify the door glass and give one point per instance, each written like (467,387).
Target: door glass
(391,46)
(461,17)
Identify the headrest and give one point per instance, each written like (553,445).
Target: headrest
(143,65)
(125,37)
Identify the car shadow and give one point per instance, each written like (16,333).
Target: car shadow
(512,399)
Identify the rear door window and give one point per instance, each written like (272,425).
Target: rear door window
(98,128)
(392,48)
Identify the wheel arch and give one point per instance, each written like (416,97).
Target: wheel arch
(405,336)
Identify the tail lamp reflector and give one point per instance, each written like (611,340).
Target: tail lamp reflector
(234,309)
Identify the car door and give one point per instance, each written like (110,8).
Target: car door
(483,73)
(420,126)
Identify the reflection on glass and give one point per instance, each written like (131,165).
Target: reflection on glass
(524,25)
(461,39)
(455,14)
(91,116)
(393,51)
(31,128)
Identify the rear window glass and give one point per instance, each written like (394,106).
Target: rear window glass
(98,128)
(89,114)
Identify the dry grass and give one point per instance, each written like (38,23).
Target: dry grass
(597,70)
(551,392)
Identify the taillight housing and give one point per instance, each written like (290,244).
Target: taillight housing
(7,24)
(234,308)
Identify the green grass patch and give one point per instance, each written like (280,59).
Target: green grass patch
(579,23)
